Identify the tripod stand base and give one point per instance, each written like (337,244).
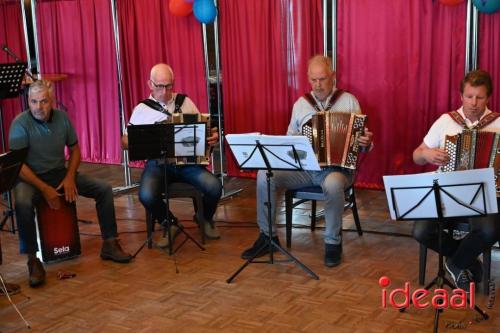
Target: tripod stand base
(273,245)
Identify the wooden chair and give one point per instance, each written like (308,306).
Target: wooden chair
(180,190)
(313,194)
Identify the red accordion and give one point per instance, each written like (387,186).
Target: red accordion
(473,149)
(334,137)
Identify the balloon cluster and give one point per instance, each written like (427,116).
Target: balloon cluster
(204,10)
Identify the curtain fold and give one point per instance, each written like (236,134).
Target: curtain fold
(76,38)
(12,36)
(405,73)
(264,49)
(150,34)
(488,51)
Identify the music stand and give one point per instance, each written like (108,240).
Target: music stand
(11,77)
(465,193)
(10,165)
(272,153)
(163,141)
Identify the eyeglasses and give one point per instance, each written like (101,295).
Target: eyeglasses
(162,86)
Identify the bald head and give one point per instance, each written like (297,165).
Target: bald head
(321,76)
(161,82)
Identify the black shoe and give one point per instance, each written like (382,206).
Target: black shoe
(333,255)
(36,272)
(476,270)
(262,244)
(461,277)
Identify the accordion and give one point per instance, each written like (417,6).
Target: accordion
(334,137)
(192,118)
(473,149)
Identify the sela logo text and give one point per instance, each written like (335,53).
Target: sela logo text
(61,250)
(421,298)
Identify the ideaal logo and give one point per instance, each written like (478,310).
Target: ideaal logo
(422,298)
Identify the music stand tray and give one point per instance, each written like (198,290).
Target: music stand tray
(437,196)
(267,152)
(163,141)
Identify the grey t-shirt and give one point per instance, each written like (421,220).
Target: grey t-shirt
(46,140)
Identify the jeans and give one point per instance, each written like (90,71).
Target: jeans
(153,186)
(27,196)
(332,180)
(484,232)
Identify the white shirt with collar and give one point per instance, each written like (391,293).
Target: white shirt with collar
(445,125)
(144,115)
(303,111)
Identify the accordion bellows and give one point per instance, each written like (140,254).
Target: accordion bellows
(334,137)
(473,149)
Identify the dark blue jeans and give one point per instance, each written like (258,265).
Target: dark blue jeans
(484,232)
(27,196)
(153,185)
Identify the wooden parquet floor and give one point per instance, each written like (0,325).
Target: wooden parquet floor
(188,292)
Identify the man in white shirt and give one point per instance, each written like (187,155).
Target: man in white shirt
(462,262)
(160,105)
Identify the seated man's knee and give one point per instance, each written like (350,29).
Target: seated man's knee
(424,230)
(24,194)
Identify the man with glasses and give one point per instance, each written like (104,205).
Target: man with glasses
(163,102)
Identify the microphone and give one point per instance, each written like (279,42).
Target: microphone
(9,52)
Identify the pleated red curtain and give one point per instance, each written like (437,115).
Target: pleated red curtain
(150,34)
(12,36)
(403,60)
(488,51)
(76,38)
(264,49)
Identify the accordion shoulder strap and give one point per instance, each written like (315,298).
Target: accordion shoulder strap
(488,119)
(310,99)
(155,106)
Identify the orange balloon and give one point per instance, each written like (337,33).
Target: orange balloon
(180,7)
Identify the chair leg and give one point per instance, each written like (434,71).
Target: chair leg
(354,209)
(149,228)
(422,264)
(198,206)
(313,215)
(486,271)
(288,218)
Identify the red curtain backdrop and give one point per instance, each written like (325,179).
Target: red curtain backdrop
(264,49)
(76,38)
(403,60)
(488,53)
(150,34)
(11,35)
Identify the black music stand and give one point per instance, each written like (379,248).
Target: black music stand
(270,159)
(477,204)
(11,77)
(161,141)
(10,165)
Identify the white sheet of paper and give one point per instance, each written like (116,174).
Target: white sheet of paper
(278,150)
(405,193)
(186,139)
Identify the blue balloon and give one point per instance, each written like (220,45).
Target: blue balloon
(204,11)
(487,6)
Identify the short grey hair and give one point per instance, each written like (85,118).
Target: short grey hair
(41,85)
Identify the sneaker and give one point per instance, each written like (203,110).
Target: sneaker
(175,230)
(209,228)
(111,250)
(36,272)
(461,277)
(262,244)
(333,254)
(476,270)
(11,288)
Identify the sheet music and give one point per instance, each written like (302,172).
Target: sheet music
(186,136)
(278,148)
